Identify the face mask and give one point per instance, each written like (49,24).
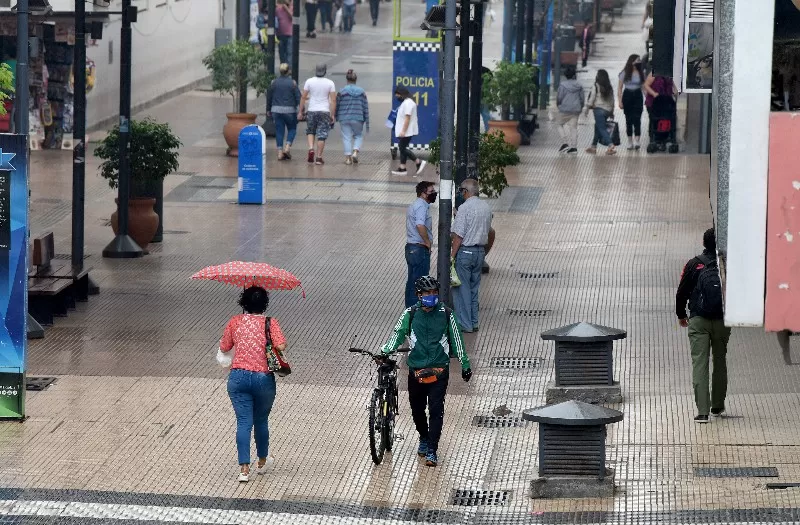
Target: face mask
(429,301)
(432,197)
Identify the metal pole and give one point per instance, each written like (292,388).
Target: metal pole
(446,119)
(529,31)
(519,30)
(269,124)
(462,102)
(21,88)
(476,83)
(123,246)
(243,33)
(296,40)
(79,136)
(557,48)
(508,21)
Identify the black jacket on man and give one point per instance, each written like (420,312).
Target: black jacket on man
(688,282)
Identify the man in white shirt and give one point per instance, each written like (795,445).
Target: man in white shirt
(320,92)
(406,127)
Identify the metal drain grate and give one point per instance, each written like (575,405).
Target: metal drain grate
(473,498)
(737,472)
(527,313)
(782,486)
(515,362)
(546,275)
(498,421)
(38,383)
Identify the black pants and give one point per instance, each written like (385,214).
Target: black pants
(405,153)
(311,17)
(430,396)
(633,106)
(374,7)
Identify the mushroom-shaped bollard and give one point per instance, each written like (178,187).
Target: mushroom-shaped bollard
(584,363)
(572,450)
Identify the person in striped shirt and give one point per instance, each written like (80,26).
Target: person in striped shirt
(434,336)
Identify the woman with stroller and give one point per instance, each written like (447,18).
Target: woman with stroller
(601,102)
(655,87)
(631,101)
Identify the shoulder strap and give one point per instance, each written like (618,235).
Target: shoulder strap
(707,261)
(268,330)
(411,313)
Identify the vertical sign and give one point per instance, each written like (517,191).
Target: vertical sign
(252,165)
(13,273)
(416,68)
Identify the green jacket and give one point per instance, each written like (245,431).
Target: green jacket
(429,339)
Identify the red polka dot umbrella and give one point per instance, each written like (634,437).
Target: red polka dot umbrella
(245,274)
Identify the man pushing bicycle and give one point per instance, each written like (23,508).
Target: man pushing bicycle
(433,335)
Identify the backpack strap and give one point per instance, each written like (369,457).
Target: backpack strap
(707,261)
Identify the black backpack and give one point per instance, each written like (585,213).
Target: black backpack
(707,293)
(447,312)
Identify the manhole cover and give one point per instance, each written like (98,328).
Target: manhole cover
(546,275)
(498,421)
(737,472)
(473,498)
(515,362)
(38,383)
(527,313)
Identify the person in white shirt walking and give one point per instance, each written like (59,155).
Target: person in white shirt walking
(406,127)
(320,92)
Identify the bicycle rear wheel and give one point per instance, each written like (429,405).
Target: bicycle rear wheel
(377,443)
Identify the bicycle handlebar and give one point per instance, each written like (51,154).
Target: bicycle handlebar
(376,355)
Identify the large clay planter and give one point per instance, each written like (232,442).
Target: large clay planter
(236,122)
(142,220)
(509,129)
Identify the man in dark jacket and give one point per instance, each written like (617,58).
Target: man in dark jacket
(708,336)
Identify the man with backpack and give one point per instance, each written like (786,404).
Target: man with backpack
(708,336)
(433,336)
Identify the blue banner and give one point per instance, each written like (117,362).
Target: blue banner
(252,165)
(13,273)
(416,68)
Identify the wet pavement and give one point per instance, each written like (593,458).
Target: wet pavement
(138,427)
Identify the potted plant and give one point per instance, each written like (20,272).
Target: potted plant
(153,156)
(494,155)
(508,87)
(235,67)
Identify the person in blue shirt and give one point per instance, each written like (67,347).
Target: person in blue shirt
(419,237)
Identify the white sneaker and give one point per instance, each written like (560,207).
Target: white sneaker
(421,166)
(267,465)
(243,478)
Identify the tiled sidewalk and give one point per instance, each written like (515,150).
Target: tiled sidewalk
(138,426)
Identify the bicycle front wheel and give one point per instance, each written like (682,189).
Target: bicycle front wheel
(377,443)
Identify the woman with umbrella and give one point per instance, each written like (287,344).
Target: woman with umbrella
(251,385)
(252,336)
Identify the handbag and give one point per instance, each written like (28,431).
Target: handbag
(276,363)
(428,375)
(613,129)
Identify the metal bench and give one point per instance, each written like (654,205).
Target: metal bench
(53,287)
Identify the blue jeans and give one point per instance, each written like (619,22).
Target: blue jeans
(325,10)
(418,259)
(486,117)
(352,135)
(349,17)
(252,395)
(469,261)
(285,49)
(600,128)
(284,122)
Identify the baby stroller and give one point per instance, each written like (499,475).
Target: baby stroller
(663,120)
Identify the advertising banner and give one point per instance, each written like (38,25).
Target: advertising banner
(252,165)
(13,273)
(416,68)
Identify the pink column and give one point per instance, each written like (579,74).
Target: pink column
(782,309)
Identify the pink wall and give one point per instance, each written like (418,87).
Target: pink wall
(783,224)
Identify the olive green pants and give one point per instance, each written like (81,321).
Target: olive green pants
(709,341)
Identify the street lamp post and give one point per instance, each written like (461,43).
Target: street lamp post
(295,40)
(476,84)
(269,124)
(123,247)
(242,33)
(462,108)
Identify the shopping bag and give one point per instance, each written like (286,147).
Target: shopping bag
(276,362)
(613,129)
(337,20)
(224,359)
(454,280)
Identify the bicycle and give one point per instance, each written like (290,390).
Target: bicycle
(383,406)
